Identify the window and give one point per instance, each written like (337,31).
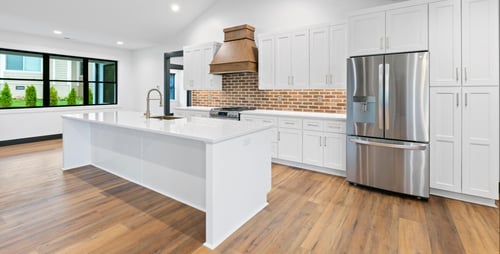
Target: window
(21,80)
(172,86)
(23,63)
(29,79)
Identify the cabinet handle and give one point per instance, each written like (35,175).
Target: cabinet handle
(326,79)
(465,74)
(279,136)
(331,79)
(466,101)
(381,42)
(456,74)
(312,125)
(324,142)
(292,81)
(320,141)
(387,42)
(458,99)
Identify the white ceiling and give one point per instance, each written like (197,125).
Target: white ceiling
(137,23)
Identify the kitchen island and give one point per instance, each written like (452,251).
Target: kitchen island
(220,167)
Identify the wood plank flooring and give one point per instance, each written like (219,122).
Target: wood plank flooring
(86,210)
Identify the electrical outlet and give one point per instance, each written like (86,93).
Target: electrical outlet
(320,98)
(210,97)
(280,98)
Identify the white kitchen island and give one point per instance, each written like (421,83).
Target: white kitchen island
(221,167)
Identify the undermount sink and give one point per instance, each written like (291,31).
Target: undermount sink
(166,117)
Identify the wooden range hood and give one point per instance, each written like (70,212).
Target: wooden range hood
(238,53)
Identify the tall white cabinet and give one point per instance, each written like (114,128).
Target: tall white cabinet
(463,44)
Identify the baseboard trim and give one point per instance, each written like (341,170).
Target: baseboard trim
(30,140)
(329,171)
(464,197)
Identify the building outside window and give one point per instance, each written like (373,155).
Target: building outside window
(172,86)
(65,81)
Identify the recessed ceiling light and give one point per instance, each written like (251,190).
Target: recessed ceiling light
(175,7)
(57,32)
(120,42)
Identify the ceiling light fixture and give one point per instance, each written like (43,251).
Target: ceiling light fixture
(57,32)
(120,42)
(175,7)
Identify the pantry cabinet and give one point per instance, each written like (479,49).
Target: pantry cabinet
(394,30)
(197,61)
(463,43)
(464,140)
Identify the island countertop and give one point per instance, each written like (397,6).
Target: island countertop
(196,128)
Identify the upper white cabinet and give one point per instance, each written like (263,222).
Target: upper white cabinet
(197,67)
(395,30)
(327,57)
(292,60)
(463,42)
(266,61)
(308,58)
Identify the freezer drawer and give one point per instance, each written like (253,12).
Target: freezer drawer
(390,165)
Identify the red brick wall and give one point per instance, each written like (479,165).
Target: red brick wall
(241,89)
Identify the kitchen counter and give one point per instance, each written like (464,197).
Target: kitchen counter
(217,166)
(323,116)
(207,130)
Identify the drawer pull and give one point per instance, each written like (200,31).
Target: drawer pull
(312,125)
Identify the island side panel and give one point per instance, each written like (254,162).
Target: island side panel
(238,179)
(175,167)
(76,143)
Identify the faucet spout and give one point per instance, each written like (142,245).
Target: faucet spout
(148,99)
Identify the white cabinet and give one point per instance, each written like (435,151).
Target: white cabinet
(446,138)
(324,144)
(480,141)
(396,30)
(197,67)
(327,57)
(266,62)
(290,139)
(463,43)
(266,120)
(292,60)
(464,140)
(480,42)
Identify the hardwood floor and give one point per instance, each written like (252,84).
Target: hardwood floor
(86,210)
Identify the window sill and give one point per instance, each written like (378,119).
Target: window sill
(14,111)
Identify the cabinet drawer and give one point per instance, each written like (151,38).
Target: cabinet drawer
(334,126)
(312,125)
(292,123)
(269,120)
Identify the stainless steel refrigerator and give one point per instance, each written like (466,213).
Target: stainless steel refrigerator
(388,122)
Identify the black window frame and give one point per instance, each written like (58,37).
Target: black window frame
(46,78)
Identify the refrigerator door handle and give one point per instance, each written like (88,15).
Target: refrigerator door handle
(386,99)
(380,96)
(406,147)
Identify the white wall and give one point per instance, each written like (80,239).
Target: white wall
(264,15)
(23,123)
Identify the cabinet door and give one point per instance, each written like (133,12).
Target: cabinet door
(334,147)
(338,56)
(266,62)
(312,148)
(209,81)
(290,144)
(446,136)
(480,142)
(406,29)
(189,70)
(283,57)
(480,42)
(445,44)
(300,59)
(319,69)
(367,34)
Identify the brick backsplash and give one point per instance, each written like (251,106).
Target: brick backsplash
(241,89)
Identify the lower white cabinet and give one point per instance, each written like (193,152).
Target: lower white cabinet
(290,144)
(266,120)
(464,140)
(323,148)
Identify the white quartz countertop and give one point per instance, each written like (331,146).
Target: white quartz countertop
(323,116)
(207,130)
(196,108)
